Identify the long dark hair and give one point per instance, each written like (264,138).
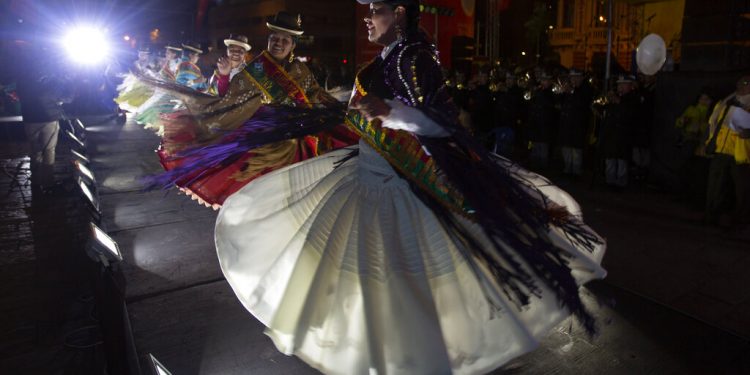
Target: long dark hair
(412,14)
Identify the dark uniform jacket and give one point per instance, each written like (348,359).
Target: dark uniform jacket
(542,116)
(575,112)
(42,98)
(615,135)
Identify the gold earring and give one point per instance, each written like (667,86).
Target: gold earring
(291,56)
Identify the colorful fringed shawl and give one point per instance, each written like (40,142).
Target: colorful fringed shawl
(188,74)
(268,82)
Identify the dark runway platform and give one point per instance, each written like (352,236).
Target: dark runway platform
(183,312)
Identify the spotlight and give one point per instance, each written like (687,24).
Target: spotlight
(79,156)
(102,247)
(86,45)
(91,198)
(158,368)
(84,170)
(75,139)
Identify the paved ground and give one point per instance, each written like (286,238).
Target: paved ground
(183,311)
(48,321)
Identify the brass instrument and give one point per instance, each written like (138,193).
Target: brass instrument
(560,87)
(600,100)
(599,104)
(524,81)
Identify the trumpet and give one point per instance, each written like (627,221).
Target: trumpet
(560,87)
(600,100)
(523,81)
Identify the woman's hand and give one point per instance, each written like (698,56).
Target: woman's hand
(223,66)
(372,107)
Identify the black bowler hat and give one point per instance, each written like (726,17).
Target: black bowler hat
(237,40)
(286,22)
(192,47)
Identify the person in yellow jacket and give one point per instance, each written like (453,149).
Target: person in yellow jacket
(721,144)
(740,124)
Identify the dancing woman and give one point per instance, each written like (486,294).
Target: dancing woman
(230,65)
(134,93)
(415,252)
(188,73)
(273,77)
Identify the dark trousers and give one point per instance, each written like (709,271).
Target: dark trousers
(694,178)
(719,192)
(742,193)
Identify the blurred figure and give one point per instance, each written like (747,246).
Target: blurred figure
(170,62)
(740,123)
(460,93)
(42,94)
(729,144)
(616,131)
(692,126)
(574,119)
(188,73)
(643,127)
(146,64)
(480,107)
(542,120)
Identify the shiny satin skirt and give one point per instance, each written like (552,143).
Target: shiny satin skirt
(351,272)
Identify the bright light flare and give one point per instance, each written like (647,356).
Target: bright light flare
(84,170)
(158,368)
(86,45)
(106,241)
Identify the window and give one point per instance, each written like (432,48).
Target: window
(568,13)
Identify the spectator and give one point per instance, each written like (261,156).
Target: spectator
(643,126)
(740,123)
(42,96)
(721,146)
(693,125)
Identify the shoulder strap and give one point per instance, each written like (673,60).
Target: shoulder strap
(720,122)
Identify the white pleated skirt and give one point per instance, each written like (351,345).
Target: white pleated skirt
(351,272)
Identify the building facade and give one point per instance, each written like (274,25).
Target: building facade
(579,30)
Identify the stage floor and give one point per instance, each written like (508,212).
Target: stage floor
(184,312)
